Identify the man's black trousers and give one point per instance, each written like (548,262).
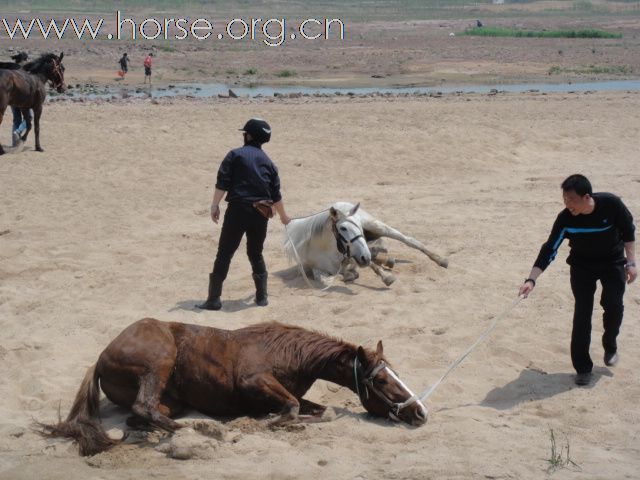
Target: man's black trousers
(583,284)
(240,219)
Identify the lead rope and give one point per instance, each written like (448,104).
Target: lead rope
(427,393)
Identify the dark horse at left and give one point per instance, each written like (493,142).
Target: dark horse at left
(156,369)
(25,88)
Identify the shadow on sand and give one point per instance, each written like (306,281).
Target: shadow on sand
(536,385)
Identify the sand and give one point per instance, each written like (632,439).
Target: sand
(110,224)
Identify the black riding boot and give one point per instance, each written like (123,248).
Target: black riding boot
(215,290)
(260,279)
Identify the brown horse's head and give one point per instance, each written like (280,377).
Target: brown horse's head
(382,392)
(49,66)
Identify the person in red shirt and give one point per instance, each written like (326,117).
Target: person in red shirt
(147,67)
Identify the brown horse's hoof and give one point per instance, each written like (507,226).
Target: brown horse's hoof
(40,149)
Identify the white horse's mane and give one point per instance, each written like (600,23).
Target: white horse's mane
(300,231)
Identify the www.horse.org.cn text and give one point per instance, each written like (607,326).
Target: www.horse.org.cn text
(272,32)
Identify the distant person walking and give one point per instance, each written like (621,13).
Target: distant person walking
(148,62)
(124,64)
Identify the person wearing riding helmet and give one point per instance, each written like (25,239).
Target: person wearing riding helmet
(251,183)
(19,121)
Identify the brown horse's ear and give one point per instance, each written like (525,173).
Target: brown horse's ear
(61,55)
(379,349)
(362,357)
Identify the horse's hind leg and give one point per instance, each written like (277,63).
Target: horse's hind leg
(148,405)
(169,407)
(380,229)
(126,395)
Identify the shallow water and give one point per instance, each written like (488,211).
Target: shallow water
(202,90)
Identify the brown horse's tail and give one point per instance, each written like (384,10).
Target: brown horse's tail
(83,422)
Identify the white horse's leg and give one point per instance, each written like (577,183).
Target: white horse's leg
(349,270)
(387,277)
(325,278)
(380,229)
(384,260)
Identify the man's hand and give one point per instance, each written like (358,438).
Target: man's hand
(215,212)
(632,273)
(526,288)
(285,219)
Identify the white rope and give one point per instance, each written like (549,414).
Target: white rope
(427,393)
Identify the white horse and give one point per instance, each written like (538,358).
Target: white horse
(335,240)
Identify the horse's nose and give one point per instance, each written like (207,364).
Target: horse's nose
(420,415)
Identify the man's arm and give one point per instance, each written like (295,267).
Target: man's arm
(279,206)
(630,253)
(546,255)
(215,204)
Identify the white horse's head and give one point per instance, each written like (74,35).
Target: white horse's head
(347,227)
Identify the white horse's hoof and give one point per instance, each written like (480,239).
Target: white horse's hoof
(388,279)
(350,276)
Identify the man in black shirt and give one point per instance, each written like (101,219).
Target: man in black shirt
(601,236)
(247,175)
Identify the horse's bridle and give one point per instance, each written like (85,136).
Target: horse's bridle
(344,244)
(367,383)
(57,70)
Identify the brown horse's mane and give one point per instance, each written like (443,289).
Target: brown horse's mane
(42,64)
(308,350)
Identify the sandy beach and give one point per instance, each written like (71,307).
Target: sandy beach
(111,224)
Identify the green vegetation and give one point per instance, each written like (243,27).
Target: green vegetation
(559,458)
(593,69)
(515,32)
(286,73)
(251,71)
(166,48)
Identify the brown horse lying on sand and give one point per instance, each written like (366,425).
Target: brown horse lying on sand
(156,369)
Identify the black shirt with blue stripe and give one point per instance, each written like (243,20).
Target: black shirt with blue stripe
(247,174)
(596,239)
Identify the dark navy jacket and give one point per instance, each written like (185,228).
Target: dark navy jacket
(247,174)
(596,239)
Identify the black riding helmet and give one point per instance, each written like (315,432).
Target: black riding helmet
(259,130)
